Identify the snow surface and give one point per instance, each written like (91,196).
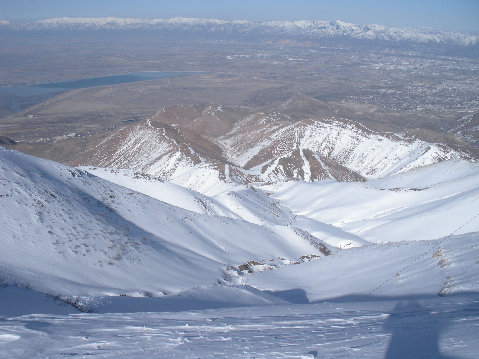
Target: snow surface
(234,201)
(444,266)
(60,220)
(424,204)
(407,327)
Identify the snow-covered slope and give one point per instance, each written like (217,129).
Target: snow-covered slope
(307,28)
(247,203)
(445,266)
(64,231)
(62,219)
(422,204)
(250,204)
(78,234)
(426,203)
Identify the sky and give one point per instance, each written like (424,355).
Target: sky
(454,15)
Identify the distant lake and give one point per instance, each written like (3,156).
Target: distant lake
(17,98)
(110,80)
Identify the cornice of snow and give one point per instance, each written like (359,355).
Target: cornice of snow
(308,28)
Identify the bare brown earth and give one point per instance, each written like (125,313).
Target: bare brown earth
(204,120)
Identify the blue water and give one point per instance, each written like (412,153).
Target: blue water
(17,98)
(110,80)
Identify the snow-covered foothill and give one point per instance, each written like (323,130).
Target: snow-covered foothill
(153,151)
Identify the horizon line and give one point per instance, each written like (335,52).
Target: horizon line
(7,22)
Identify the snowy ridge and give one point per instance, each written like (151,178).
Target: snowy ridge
(369,32)
(286,151)
(368,153)
(249,204)
(114,22)
(309,28)
(231,150)
(151,151)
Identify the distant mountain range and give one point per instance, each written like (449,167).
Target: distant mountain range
(307,28)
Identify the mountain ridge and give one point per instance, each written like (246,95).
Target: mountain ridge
(308,28)
(203,146)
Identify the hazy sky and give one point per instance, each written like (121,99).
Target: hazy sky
(461,15)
